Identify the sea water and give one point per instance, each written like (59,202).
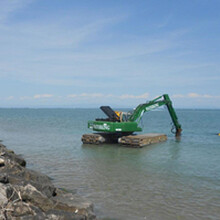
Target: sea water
(176,179)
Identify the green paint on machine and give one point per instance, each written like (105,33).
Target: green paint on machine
(106,126)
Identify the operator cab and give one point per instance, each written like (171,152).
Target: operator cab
(114,116)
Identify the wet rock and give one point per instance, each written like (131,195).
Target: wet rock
(62,203)
(21,176)
(74,203)
(9,154)
(64,215)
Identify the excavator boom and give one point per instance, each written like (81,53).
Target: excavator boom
(157,102)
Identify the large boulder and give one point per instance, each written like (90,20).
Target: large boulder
(31,195)
(19,175)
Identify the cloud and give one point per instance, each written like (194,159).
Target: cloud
(39,96)
(8,7)
(10,97)
(92,95)
(195,95)
(136,46)
(25,97)
(100,95)
(37,47)
(86,95)
(89,55)
(127,96)
(177,96)
(72,96)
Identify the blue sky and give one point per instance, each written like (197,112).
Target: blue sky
(89,53)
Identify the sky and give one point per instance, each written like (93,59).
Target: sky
(121,53)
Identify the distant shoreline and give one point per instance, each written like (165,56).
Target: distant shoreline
(95,108)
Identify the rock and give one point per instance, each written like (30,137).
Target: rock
(41,182)
(15,158)
(69,203)
(74,203)
(2,216)
(3,195)
(21,176)
(64,215)
(22,211)
(19,209)
(37,214)
(30,194)
(27,194)
(12,193)
(12,156)
(3,178)
(2,162)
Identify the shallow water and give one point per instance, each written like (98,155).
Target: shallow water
(177,179)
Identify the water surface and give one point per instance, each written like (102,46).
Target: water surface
(177,179)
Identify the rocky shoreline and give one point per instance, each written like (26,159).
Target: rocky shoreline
(27,194)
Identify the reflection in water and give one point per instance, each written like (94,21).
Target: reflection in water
(178,139)
(175,150)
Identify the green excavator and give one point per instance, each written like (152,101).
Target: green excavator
(120,124)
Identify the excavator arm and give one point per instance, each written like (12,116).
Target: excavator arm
(159,101)
(173,115)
